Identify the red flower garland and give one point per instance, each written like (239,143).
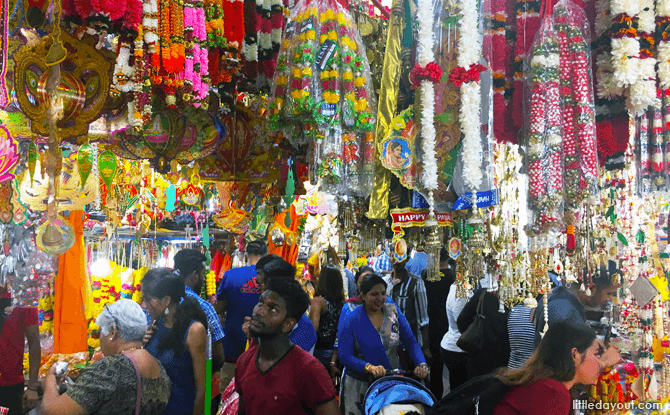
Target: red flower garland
(459,75)
(432,72)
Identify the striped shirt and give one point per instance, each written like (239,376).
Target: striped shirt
(521,336)
(212,318)
(411,293)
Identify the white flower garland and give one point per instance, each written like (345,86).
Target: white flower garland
(470,52)
(643,91)
(663,47)
(625,51)
(426,55)
(123,72)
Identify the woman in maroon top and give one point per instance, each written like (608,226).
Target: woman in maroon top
(567,355)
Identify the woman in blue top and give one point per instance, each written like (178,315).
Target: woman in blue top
(368,344)
(179,339)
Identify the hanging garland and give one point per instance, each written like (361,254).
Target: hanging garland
(625,46)
(425,59)
(467,74)
(643,90)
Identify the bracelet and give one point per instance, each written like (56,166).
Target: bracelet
(32,388)
(423,366)
(367,367)
(333,364)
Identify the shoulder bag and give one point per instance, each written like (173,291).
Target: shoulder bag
(472,339)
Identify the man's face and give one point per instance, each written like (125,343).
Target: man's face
(270,317)
(199,280)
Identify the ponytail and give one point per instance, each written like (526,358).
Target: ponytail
(187,311)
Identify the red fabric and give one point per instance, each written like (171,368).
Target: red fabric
(11,344)
(546,397)
(216,263)
(296,382)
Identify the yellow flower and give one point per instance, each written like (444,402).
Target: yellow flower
(307,71)
(361,105)
(302,37)
(398,124)
(334,98)
(279,103)
(282,80)
(323,38)
(329,14)
(326,95)
(324,75)
(359,82)
(311,34)
(305,93)
(332,35)
(350,96)
(296,94)
(348,76)
(285,44)
(296,55)
(297,73)
(341,18)
(334,74)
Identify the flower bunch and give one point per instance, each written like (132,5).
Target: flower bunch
(643,90)
(210,283)
(431,72)
(459,75)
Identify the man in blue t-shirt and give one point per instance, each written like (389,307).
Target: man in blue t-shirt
(237,296)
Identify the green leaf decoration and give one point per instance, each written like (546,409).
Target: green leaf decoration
(622,238)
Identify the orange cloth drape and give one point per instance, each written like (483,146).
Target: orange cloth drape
(288,221)
(70,326)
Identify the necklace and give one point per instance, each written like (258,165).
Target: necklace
(130,349)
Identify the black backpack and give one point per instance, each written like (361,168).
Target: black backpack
(478,396)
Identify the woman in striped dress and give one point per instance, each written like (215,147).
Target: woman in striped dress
(521,335)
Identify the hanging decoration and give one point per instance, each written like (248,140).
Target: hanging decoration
(9,156)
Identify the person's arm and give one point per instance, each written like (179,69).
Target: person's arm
(328,408)
(345,349)
(35,354)
(218,357)
(55,404)
(196,340)
(315,311)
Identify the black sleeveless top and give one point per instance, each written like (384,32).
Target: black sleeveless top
(327,333)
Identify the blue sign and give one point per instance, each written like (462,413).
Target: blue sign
(484,199)
(418,201)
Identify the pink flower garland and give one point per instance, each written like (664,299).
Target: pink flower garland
(196,65)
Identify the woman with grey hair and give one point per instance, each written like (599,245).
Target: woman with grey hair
(127,381)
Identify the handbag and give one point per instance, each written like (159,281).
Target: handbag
(139,384)
(473,338)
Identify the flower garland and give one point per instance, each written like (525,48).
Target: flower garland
(327,112)
(495,43)
(138,121)
(643,90)
(432,72)
(625,46)
(663,48)
(470,51)
(426,56)
(527,23)
(657,144)
(300,99)
(151,58)
(195,69)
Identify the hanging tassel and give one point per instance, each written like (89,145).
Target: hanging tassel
(171,198)
(570,241)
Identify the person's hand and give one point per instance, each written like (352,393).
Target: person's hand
(212,299)
(610,356)
(377,371)
(421,371)
(30,398)
(150,332)
(335,373)
(245,327)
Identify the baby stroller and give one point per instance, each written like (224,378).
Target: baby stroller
(397,395)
